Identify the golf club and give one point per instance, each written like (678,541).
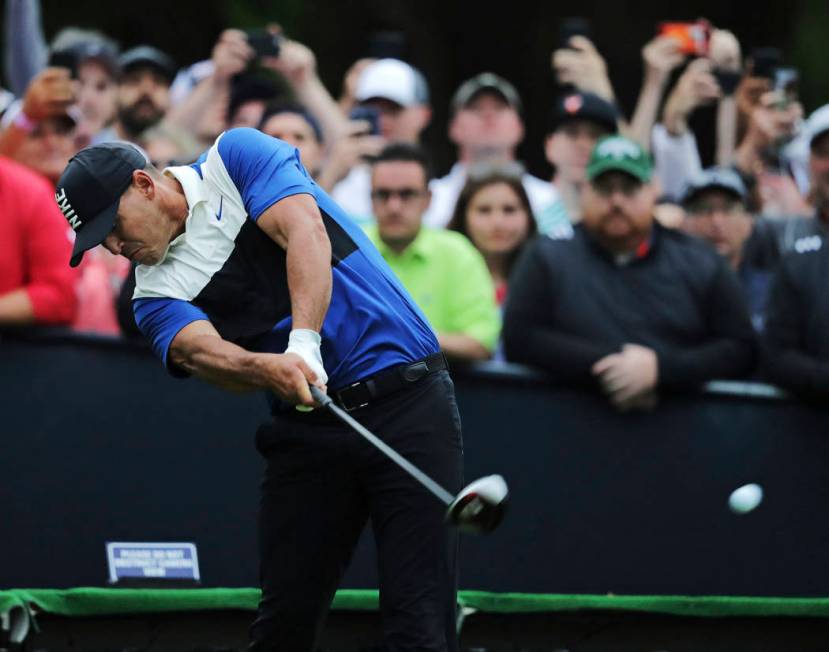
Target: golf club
(477,509)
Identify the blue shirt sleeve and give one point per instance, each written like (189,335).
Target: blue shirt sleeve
(160,320)
(264,169)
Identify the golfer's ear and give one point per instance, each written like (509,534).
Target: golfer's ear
(144,183)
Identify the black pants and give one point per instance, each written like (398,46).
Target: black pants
(322,483)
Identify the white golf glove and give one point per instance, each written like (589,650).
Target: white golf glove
(306,344)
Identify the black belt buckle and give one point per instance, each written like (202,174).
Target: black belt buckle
(352,390)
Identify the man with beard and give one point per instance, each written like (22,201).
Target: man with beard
(143,93)
(626,305)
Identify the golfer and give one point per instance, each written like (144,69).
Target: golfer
(250,277)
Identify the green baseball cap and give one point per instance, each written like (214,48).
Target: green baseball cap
(617,153)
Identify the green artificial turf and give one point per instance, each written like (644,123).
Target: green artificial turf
(103,601)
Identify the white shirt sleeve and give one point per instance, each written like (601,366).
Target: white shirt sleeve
(676,159)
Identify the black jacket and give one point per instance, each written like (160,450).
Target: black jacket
(570,304)
(796,341)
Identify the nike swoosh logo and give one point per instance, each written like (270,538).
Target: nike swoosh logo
(221,207)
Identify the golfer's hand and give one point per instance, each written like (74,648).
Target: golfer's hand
(289,378)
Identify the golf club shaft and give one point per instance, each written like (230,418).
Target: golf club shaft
(327,402)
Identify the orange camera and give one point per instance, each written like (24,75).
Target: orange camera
(693,37)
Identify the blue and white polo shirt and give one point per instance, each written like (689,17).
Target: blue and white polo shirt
(227,270)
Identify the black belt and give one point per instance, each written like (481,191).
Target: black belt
(389,381)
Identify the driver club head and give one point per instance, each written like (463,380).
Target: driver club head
(480,506)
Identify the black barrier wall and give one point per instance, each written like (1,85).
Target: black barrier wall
(99,444)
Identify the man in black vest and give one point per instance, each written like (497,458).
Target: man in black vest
(626,305)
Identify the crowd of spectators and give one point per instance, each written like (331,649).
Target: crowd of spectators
(632,270)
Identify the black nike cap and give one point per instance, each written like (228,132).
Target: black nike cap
(90,188)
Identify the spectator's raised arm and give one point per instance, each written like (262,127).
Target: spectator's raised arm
(582,67)
(206,102)
(660,57)
(724,51)
(674,147)
(298,65)
(48,96)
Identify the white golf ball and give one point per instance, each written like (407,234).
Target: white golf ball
(746,498)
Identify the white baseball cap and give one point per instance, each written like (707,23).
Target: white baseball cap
(818,123)
(394,80)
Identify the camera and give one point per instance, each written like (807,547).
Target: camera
(263,42)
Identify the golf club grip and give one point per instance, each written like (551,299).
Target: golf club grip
(319,396)
(325,401)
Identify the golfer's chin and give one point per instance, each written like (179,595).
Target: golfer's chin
(149,257)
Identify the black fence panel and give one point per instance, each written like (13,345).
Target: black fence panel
(99,444)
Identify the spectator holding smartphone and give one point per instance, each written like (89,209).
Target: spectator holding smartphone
(674,146)
(762,157)
(399,94)
(39,132)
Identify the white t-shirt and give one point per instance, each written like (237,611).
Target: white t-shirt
(445,192)
(353,194)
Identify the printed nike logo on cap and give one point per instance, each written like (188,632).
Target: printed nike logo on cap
(221,206)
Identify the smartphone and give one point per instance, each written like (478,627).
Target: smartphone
(728,80)
(570,27)
(693,37)
(387,44)
(64,59)
(263,42)
(370,115)
(784,85)
(786,80)
(764,61)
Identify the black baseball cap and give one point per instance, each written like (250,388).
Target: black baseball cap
(90,188)
(585,106)
(719,178)
(146,56)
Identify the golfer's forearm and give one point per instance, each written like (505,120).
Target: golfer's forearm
(219,362)
(309,275)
